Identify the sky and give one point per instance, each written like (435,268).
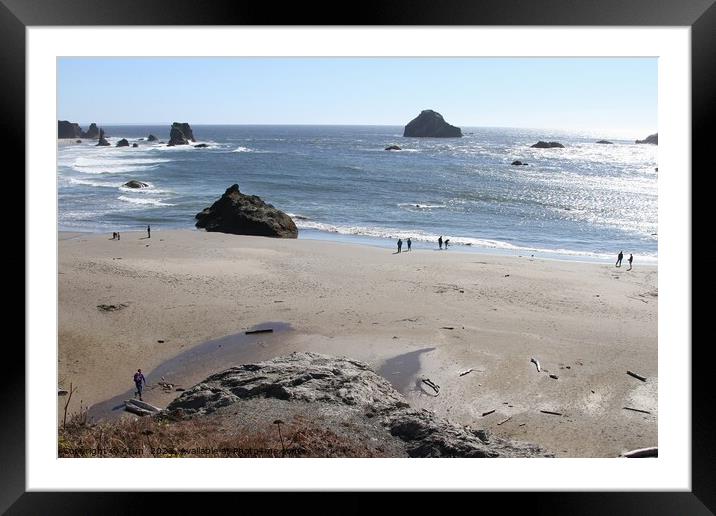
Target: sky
(613,96)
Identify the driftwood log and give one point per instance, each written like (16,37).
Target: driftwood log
(432,385)
(141,408)
(637,376)
(536,362)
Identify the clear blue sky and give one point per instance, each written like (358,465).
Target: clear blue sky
(617,96)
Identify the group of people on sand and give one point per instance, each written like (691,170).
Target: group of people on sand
(115,234)
(620,256)
(400,244)
(441,242)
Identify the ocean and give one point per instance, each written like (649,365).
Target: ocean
(586,201)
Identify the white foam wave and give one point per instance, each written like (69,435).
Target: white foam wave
(421,206)
(422,236)
(144,201)
(242,149)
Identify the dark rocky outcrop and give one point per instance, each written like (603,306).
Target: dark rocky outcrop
(605,142)
(547,145)
(652,138)
(180,134)
(92,133)
(339,390)
(431,124)
(123,143)
(201,146)
(78,141)
(102,141)
(135,184)
(67,129)
(151,138)
(518,162)
(243,214)
(135,145)
(393,147)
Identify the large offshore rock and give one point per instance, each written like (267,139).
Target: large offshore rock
(652,138)
(242,214)
(67,129)
(547,145)
(431,124)
(180,134)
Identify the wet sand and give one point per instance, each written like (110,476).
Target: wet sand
(415,315)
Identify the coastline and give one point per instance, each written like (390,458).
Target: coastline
(416,314)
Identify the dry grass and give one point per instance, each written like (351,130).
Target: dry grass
(204,437)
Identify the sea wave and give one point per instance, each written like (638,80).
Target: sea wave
(144,201)
(422,236)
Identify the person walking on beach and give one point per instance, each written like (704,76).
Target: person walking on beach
(400,244)
(440,242)
(117,236)
(631,259)
(619,259)
(149,231)
(139,382)
(114,235)
(409,243)
(446,242)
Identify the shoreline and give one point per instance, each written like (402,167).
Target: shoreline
(418,314)
(388,243)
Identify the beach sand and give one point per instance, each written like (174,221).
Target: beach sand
(420,314)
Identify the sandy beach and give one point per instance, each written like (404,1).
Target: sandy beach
(139,303)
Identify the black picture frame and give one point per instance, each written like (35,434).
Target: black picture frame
(700,15)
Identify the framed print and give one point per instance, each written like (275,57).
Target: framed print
(325,247)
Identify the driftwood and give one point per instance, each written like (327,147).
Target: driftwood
(466,372)
(61,392)
(550,412)
(141,408)
(432,385)
(505,420)
(536,362)
(637,376)
(251,332)
(448,328)
(637,410)
(487,413)
(652,451)
(554,376)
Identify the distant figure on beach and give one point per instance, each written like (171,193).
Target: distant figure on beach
(149,231)
(139,382)
(619,259)
(631,259)
(446,242)
(114,235)
(409,244)
(117,236)
(440,242)
(400,244)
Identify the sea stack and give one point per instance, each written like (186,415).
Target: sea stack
(242,214)
(123,143)
(180,134)
(102,141)
(547,145)
(67,129)
(92,133)
(652,138)
(151,138)
(431,124)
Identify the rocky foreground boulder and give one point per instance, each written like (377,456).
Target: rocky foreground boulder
(547,145)
(338,390)
(180,134)
(242,214)
(652,138)
(431,124)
